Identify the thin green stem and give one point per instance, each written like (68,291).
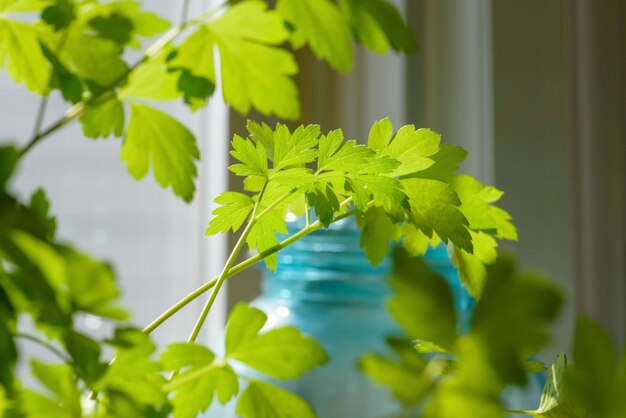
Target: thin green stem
(79,108)
(307,214)
(45,344)
(242,266)
(229,263)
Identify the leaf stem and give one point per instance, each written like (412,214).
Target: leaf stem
(242,266)
(45,344)
(223,275)
(79,108)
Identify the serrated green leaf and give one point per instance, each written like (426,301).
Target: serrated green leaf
(103,119)
(200,380)
(9,156)
(40,206)
(380,134)
(429,347)
(21,52)
(283,353)
(321,25)
(294,177)
(422,303)
(596,381)
(377,233)
(91,285)
(252,157)
(59,380)
(472,267)
(261,132)
(152,80)
(435,207)
(408,385)
(85,354)
(231,215)
(263,400)
(255,72)
(415,242)
(445,162)
(476,205)
(325,202)
(378,25)
(556,400)
(158,141)
(337,155)
(294,149)
(93,59)
(509,297)
(412,148)
(115,27)
(133,381)
(196,54)
(180,355)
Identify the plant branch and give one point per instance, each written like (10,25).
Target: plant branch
(223,275)
(518,412)
(79,108)
(242,266)
(43,343)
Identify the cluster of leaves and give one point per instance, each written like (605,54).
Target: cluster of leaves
(52,283)
(400,185)
(452,375)
(78,46)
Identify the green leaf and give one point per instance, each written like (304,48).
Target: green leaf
(409,385)
(103,119)
(263,400)
(93,59)
(196,90)
(556,399)
(155,139)
(59,380)
(321,25)
(435,207)
(412,148)
(132,383)
(422,303)
(297,148)
(85,354)
(380,134)
(597,380)
(91,285)
(283,353)
(9,156)
(472,267)
(255,72)
(200,380)
(337,155)
(196,54)
(152,80)
(526,300)
(21,52)
(261,132)
(476,205)
(231,215)
(252,157)
(378,25)
(114,27)
(325,201)
(429,347)
(415,242)
(445,162)
(40,206)
(377,233)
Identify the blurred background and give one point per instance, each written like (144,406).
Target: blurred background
(534,90)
